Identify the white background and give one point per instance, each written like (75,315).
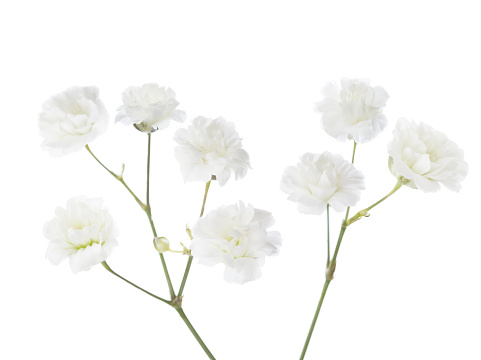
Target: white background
(408,279)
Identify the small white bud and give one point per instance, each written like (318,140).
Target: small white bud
(161,244)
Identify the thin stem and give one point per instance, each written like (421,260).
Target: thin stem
(148,175)
(186,274)
(364,212)
(338,245)
(196,335)
(148,211)
(207,186)
(352,162)
(353,152)
(328,238)
(106,266)
(118,177)
(313,324)
(189,261)
(331,267)
(329,276)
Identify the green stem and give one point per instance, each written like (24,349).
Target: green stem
(196,335)
(353,152)
(313,324)
(118,177)
(106,266)
(352,162)
(328,238)
(189,261)
(329,276)
(186,274)
(207,186)
(364,212)
(148,211)
(332,266)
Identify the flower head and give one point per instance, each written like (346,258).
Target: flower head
(353,111)
(210,147)
(236,236)
(84,232)
(72,119)
(425,157)
(149,108)
(321,180)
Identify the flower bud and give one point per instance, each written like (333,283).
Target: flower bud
(161,244)
(189,232)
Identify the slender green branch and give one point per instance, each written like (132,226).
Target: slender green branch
(364,212)
(196,335)
(313,324)
(332,266)
(118,177)
(207,186)
(106,266)
(352,162)
(329,276)
(353,152)
(148,174)
(148,211)
(186,274)
(189,261)
(328,238)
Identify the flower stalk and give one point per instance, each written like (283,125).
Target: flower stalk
(364,212)
(118,177)
(106,266)
(331,268)
(148,211)
(192,330)
(189,261)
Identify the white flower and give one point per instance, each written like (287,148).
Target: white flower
(84,232)
(149,108)
(353,111)
(236,236)
(72,119)
(321,180)
(426,157)
(210,147)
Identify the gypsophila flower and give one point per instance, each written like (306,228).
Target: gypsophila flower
(353,111)
(72,119)
(210,147)
(149,108)
(425,157)
(236,236)
(84,232)
(321,180)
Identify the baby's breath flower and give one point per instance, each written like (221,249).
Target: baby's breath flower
(353,111)
(425,157)
(210,147)
(84,232)
(72,119)
(236,236)
(321,180)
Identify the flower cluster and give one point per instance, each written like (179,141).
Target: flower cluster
(236,236)
(320,180)
(210,147)
(72,119)
(84,232)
